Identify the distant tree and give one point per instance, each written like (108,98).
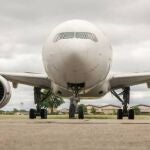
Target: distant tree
(84,107)
(52,101)
(136,110)
(15,110)
(2,112)
(93,110)
(22,110)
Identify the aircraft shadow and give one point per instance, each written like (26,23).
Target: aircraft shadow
(92,123)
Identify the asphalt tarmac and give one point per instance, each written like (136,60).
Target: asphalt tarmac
(74,134)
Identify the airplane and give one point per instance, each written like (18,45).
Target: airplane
(77,58)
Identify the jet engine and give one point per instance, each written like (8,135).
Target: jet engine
(5,92)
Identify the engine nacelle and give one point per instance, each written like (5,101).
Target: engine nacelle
(5,92)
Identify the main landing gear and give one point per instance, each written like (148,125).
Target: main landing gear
(38,97)
(125,100)
(33,113)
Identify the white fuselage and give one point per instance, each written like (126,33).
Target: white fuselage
(77,52)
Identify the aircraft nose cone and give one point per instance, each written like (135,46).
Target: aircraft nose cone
(77,59)
(74,64)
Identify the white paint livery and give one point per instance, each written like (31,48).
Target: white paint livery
(77,60)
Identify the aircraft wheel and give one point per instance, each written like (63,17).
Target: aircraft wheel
(119,114)
(80,112)
(43,114)
(32,114)
(131,114)
(72,110)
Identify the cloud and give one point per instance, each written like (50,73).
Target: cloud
(122,34)
(135,11)
(127,56)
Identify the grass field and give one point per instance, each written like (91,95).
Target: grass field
(138,117)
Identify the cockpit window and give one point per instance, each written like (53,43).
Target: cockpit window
(64,35)
(78,35)
(86,35)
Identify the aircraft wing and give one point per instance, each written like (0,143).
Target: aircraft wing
(32,79)
(120,81)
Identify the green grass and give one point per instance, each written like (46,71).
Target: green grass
(13,117)
(142,117)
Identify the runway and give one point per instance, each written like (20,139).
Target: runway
(74,134)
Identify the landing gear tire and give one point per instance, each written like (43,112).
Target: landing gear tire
(81,112)
(131,114)
(43,114)
(120,114)
(72,110)
(32,114)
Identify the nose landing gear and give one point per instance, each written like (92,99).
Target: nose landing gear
(125,102)
(74,104)
(75,108)
(81,112)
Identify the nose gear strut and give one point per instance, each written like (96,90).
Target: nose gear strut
(73,103)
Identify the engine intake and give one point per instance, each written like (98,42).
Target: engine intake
(1,91)
(5,92)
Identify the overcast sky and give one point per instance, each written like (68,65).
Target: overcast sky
(25,24)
